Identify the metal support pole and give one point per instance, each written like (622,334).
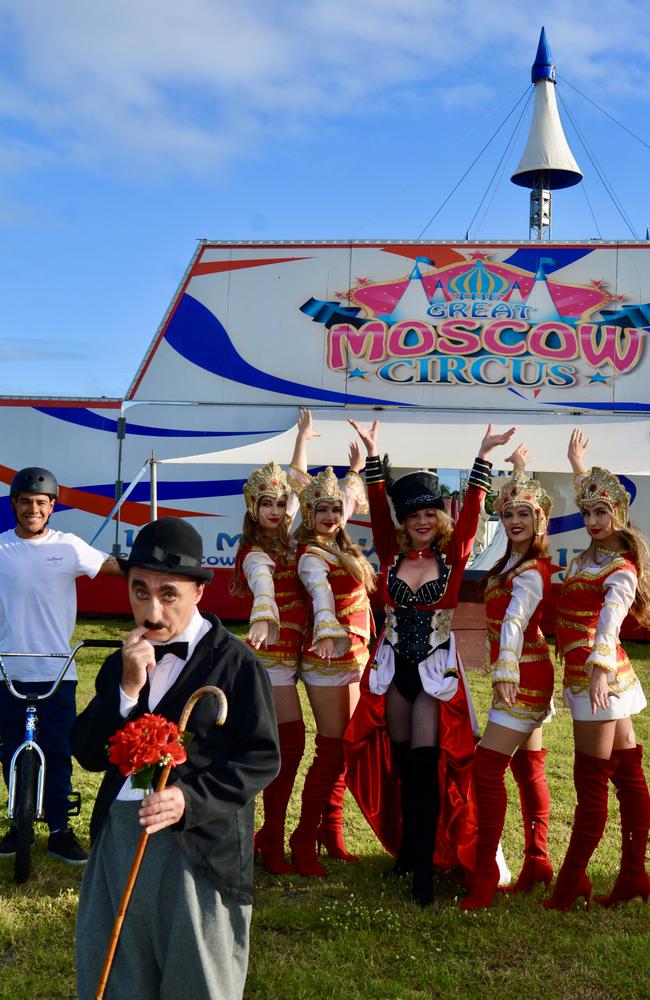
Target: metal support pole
(540,209)
(153,481)
(119,484)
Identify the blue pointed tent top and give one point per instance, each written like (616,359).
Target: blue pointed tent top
(544,263)
(543,67)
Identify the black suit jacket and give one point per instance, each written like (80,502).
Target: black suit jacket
(226,767)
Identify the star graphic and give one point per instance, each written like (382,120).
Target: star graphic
(599,377)
(357,373)
(362,281)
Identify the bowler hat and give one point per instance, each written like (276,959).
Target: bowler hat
(168,545)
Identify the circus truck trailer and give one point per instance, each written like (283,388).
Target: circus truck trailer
(435,340)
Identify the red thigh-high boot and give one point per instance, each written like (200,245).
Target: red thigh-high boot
(269,839)
(528,769)
(632,793)
(330,831)
(323,774)
(488,772)
(590,776)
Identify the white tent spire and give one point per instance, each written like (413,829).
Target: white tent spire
(547,162)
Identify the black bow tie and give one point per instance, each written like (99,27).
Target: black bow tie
(177,648)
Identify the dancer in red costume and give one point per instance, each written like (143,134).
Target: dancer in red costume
(412,688)
(337,578)
(266,566)
(522,678)
(605,582)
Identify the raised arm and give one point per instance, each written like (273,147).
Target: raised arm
(478,483)
(520,458)
(383,527)
(305,433)
(578,444)
(492,440)
(368,435)
(355,458)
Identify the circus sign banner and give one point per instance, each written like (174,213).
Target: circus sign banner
(463,325)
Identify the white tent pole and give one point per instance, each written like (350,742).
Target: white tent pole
(125,495)
(153,480)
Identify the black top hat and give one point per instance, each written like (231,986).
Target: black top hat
(168,545)
(415,491)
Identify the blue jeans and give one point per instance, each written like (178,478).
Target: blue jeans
(56,717)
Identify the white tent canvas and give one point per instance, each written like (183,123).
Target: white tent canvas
(450,440)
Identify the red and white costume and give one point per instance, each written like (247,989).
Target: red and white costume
(279,599)
(517,654)
(339,603)
(598,591)
(595,598)
(340,612)
(517,651)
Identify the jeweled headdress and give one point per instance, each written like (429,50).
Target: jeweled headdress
(268,481)
(601,486)
(324,486)
(518,490)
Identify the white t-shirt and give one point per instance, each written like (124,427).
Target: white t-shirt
(38,599)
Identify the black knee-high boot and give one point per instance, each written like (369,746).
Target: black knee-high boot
(426,807)
(404,859)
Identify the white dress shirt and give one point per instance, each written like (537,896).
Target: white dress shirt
(161,678)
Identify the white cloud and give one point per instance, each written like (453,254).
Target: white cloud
(158,85)
(40,349)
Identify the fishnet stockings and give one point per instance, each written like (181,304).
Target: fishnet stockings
(414,723)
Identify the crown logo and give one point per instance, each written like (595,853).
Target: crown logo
(601,486)
(267,481)
(520,490)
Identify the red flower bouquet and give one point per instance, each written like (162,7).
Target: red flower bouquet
(144,744)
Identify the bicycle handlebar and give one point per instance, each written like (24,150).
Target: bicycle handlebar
(68,657)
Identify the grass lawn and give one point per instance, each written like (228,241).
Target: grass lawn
(356,934)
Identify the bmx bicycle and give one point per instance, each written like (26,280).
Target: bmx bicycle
(27,767)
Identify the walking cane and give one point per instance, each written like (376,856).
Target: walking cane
(142,843)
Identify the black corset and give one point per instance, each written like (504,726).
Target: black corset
(413,629)
(428,594)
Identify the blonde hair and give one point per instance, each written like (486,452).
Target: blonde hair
(278,546)
(349,555)
(444,533)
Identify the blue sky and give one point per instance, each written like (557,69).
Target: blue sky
(130,130)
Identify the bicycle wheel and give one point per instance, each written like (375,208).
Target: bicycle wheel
(25,812)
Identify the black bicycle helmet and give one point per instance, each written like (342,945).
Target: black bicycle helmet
(34,480)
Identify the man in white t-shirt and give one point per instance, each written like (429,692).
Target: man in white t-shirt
(38,609)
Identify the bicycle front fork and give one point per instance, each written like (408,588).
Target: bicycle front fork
(28,746)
